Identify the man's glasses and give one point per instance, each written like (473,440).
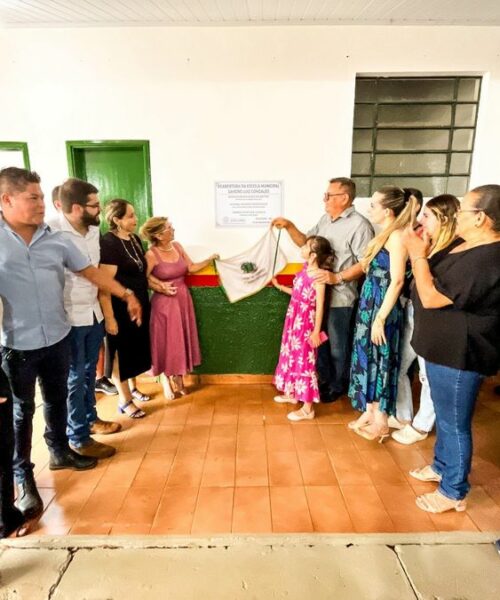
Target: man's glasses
(93,205)
(326,195)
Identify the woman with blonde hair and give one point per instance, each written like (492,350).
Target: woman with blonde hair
(175,349)
(375,358)
(438,220)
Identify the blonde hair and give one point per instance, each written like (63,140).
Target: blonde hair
(444,207)
(404,207)
(151,228)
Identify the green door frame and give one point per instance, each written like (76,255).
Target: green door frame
(22,146)
(142,145)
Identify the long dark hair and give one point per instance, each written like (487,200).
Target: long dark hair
(323,250)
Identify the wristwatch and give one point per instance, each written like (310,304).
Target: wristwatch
(128,292)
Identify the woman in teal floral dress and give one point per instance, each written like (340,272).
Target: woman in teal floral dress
(375,358)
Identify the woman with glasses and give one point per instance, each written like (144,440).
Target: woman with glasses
(439,226)
(457,325)
(175,348)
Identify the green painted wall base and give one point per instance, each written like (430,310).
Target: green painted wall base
(239,338)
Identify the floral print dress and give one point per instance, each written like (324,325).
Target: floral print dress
(375,369)
(296,371)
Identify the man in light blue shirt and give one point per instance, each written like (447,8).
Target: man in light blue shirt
(35,327)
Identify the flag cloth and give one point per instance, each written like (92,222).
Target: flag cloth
(249,272)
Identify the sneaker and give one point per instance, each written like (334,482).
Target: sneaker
(285,399)
(105,386)
(100,427)
(394,423)
(94,449)
(408,435)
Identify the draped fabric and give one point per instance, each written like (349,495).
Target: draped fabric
(247,273)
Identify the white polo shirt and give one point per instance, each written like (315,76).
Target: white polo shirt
(80,296)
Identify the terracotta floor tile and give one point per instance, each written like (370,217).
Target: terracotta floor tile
(382,467)
(279,438)
(194,438)
(122,468)
(214,511)
(100,510)
(399,501)
(289,510)
(336,437)
(219,470)
(251,510)
(186,470)
(154,469)
(349,468)
(284,469)
(251,468)
(166,438)
(176,510)
(494,492)
(201,414)
(307,437)
(139,506)
(251,438)
(328,510)
(222,436)
(316,468)
(366,509)
(483,510)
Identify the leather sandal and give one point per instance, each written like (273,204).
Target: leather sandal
(436,503)
(300,415)
(426,473)
(371,436)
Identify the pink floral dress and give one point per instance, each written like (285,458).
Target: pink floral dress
(296,371)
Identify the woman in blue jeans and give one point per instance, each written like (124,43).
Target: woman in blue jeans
(457,322)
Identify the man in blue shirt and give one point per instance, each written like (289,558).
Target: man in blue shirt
(35,331)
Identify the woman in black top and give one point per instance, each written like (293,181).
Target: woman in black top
(457,331)
(122,256)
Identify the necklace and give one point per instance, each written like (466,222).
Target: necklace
(136,258)
(166,249)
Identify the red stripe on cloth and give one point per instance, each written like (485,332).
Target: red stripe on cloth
(213,280)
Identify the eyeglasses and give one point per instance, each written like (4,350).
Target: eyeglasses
(472,210)
(98,205)
(326,195)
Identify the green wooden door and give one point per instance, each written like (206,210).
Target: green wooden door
(119,169)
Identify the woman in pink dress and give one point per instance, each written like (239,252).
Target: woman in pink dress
(296,371)
(175,349)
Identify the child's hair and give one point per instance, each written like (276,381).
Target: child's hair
(444,208)
(323,250)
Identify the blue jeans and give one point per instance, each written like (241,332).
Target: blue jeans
(22,367)
(454,393)
(85,343)
(333,361)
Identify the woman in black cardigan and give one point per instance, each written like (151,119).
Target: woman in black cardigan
(457,332)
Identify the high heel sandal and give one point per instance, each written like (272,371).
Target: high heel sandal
(140,396)
(371,436)
(138,413)
(353,425)
(177,385)
(436,503)
(426,473)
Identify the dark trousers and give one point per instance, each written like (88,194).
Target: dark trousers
(334,356)
(10,517)
(51,366)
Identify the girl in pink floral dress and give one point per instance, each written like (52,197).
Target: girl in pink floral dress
(296,371)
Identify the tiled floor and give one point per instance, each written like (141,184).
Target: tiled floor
(225,459)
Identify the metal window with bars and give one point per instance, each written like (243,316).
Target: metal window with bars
(414,132)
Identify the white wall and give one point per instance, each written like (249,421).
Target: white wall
(226,104)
